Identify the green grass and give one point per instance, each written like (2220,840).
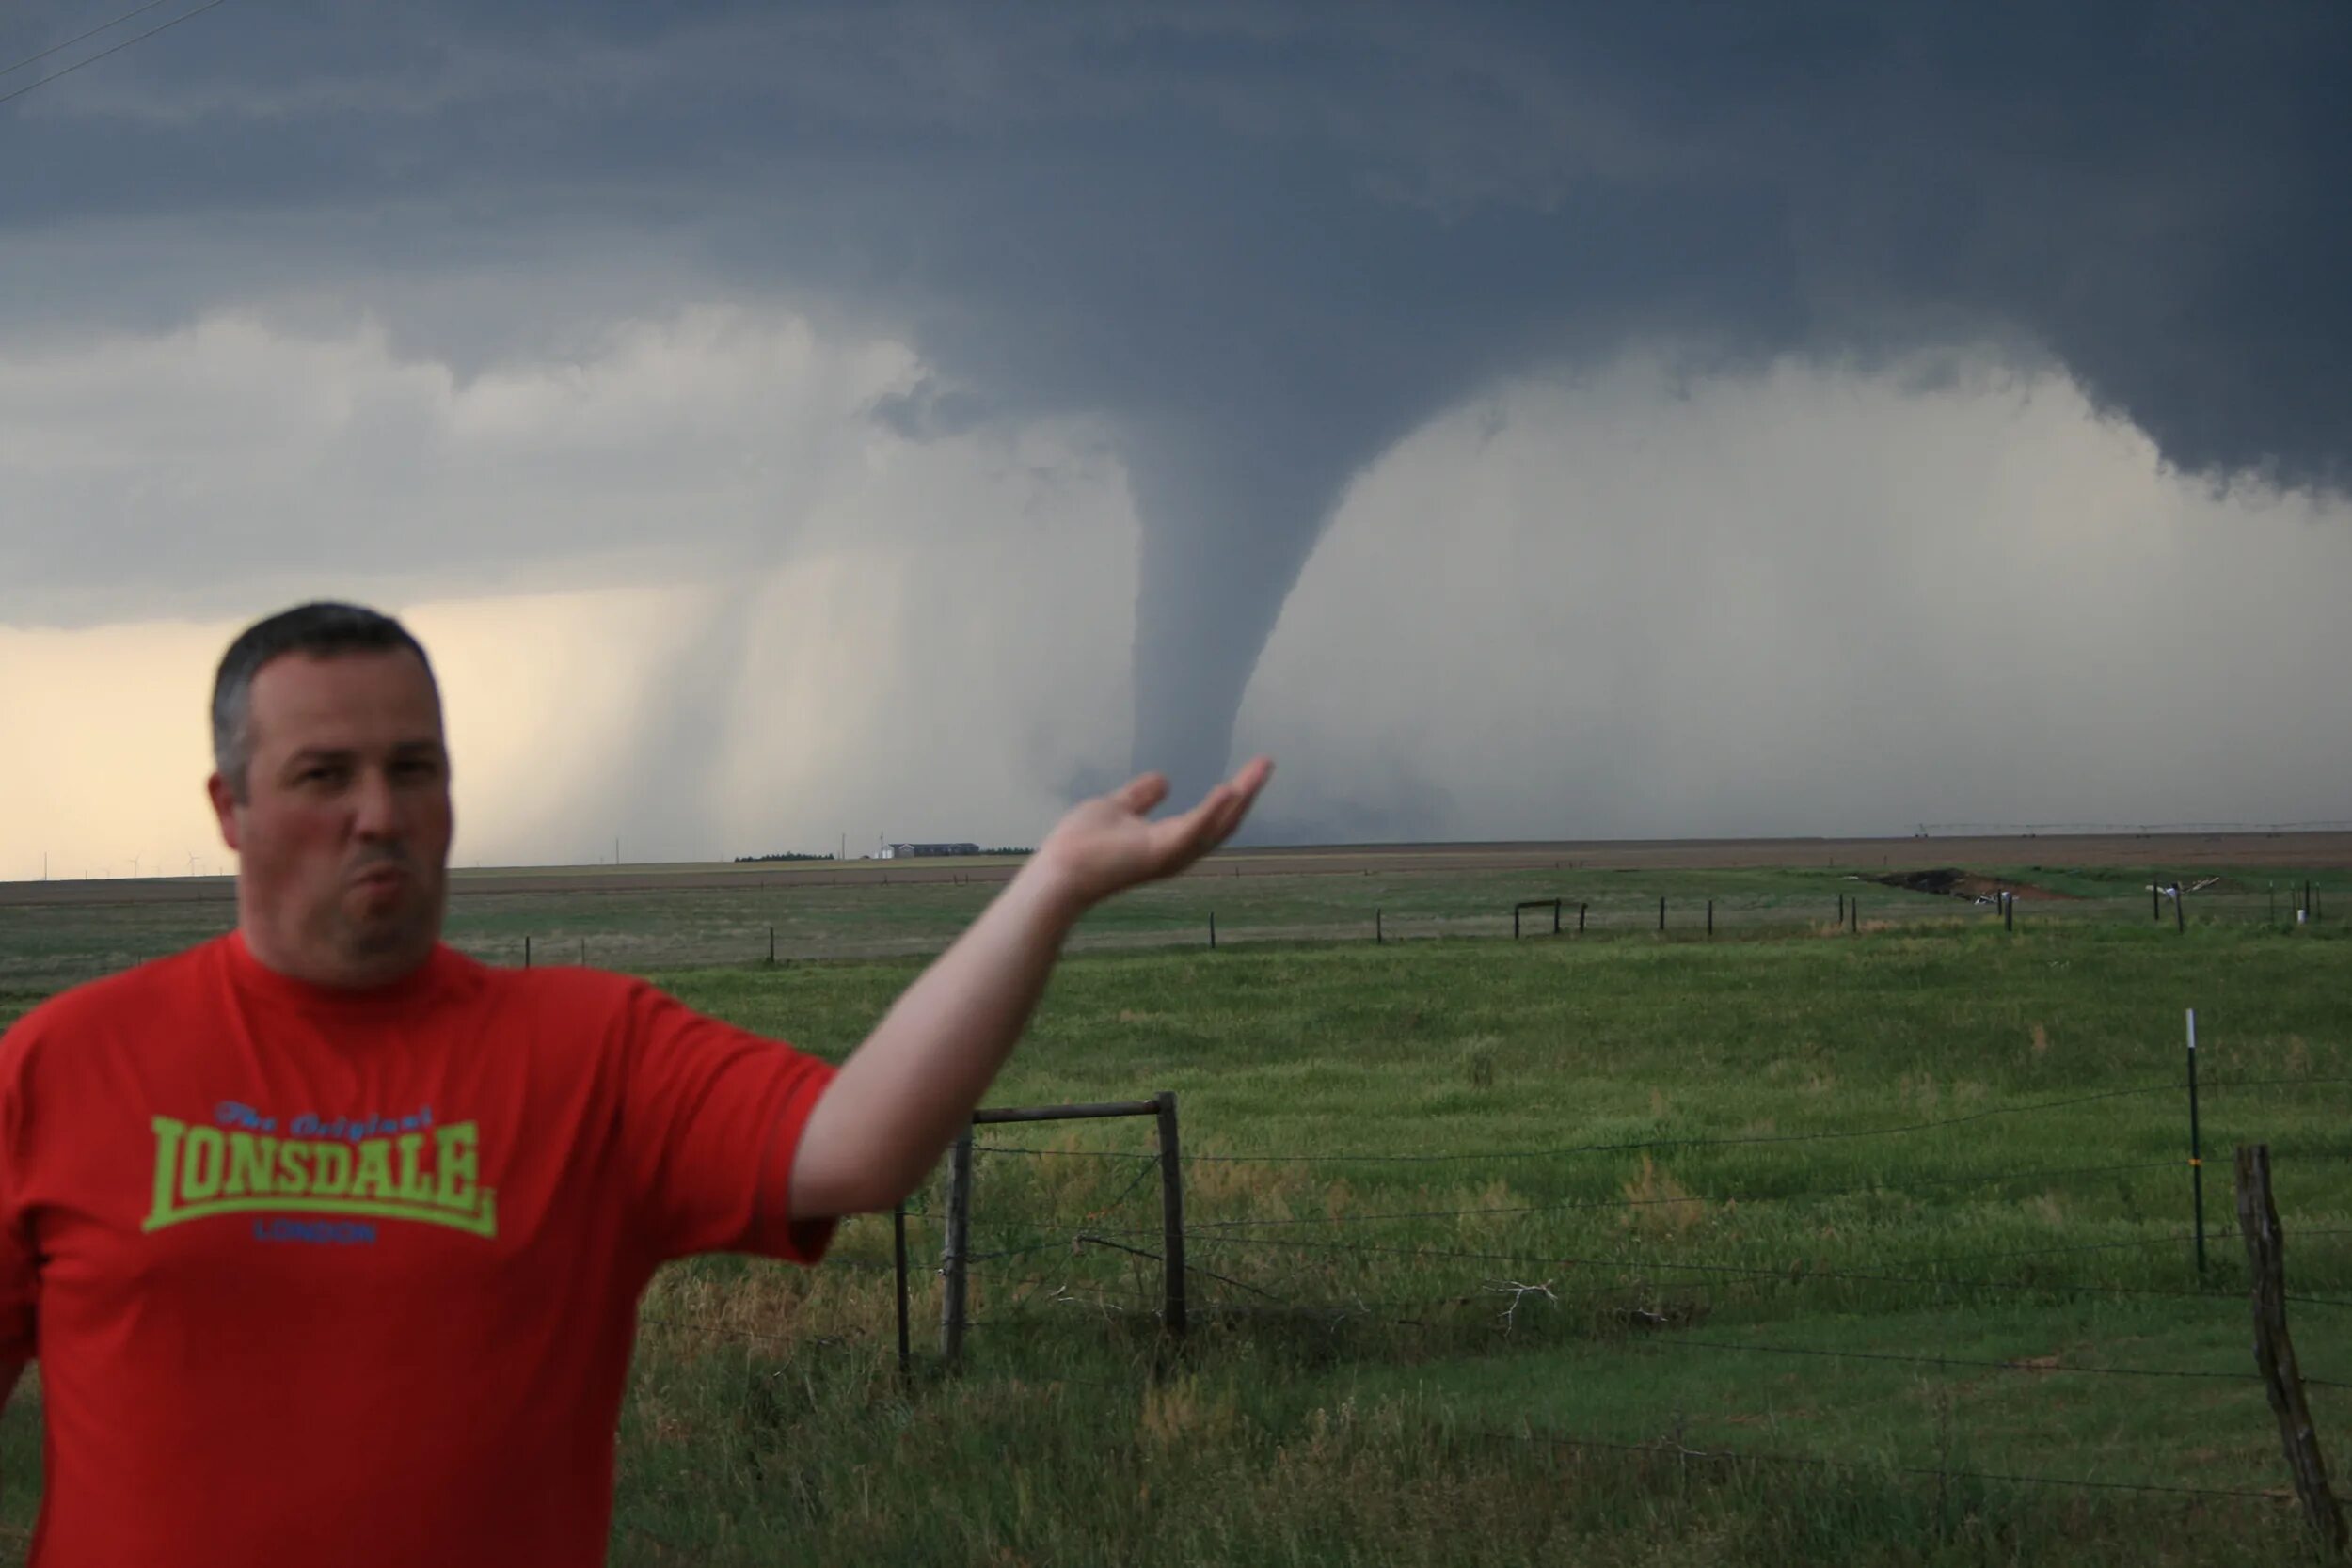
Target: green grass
(1393,1367)
(1351,1390)
(646,929)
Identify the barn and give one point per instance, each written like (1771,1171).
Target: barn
(916,852)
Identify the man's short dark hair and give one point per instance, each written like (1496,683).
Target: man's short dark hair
(319,630)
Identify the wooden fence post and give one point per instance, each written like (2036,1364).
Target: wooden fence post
(1171,1217)
(2274,1352)
(953,1251)
(1661,912)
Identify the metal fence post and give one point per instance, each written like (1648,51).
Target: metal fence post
(2196,1146)
(899,1258)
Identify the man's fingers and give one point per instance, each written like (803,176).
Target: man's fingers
(1252,778)
(1141,793)
(1241,793)
(1179,841)
(1210,823)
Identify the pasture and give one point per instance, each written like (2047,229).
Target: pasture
(1866,1243)
(667,918)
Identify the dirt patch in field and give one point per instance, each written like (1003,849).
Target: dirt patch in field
(1966,884)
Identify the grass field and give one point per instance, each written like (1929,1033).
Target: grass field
(641,926)
(1498,1247)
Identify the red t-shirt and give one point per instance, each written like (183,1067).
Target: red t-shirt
(319,1277)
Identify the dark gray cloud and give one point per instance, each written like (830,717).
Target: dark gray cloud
(928,411)
(1259,242)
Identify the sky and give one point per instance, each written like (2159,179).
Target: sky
(793,426)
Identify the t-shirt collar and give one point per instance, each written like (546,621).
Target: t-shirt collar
(419,986)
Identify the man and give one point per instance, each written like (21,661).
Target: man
(329,1240)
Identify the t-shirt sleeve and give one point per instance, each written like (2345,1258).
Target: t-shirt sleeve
(19,1277)
(711,1118)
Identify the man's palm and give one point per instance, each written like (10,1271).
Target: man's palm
(1109,844)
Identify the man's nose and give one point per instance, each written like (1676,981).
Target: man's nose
(376,807)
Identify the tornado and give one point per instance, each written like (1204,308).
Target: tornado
(1258,244)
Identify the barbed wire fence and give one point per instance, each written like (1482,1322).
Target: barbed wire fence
(700,927)
(1045,1251)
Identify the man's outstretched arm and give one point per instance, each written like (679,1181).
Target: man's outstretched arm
(905,1093)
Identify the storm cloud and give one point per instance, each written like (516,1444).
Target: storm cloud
(1254,247)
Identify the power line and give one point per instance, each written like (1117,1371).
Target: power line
(55,48)
(94,59)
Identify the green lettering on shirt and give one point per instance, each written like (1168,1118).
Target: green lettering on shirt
(251,1162)
(201,1173)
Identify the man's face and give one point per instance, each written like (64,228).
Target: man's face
(343,837)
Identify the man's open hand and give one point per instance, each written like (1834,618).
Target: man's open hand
(1109,844)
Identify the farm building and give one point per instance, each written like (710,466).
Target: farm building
(912,852)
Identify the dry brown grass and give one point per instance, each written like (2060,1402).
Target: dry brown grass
(1662,1206)
(1179,1413)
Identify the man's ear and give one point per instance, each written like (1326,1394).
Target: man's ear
(224,807)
